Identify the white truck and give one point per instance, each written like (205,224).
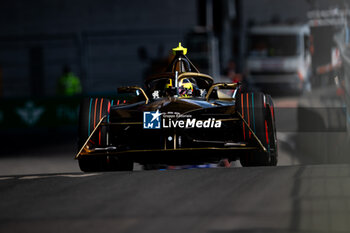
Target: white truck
(279,58)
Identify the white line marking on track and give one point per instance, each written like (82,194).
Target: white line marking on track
(32,177)
(59,175)
(78,175)
(6,178)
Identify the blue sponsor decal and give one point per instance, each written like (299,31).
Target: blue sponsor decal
(151,120)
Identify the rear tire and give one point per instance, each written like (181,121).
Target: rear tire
(258,111)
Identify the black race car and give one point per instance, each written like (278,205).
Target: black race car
(180,117)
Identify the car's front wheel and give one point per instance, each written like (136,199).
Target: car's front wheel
(91,112)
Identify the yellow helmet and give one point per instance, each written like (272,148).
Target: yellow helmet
(185,88)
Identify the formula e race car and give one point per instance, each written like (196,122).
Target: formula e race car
(180,118)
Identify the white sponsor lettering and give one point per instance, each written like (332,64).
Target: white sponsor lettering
(191,123)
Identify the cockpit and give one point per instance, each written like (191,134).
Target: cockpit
(186,85)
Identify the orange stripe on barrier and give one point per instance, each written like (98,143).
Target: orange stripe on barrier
(117,102)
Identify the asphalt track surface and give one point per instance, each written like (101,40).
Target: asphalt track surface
(248,200)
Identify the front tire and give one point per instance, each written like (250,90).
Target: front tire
(91,112)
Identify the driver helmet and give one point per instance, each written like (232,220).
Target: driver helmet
(186,88)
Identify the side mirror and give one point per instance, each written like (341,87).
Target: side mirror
(127,89)
(133,89)
(232,86)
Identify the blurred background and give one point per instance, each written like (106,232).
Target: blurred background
(52,53)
